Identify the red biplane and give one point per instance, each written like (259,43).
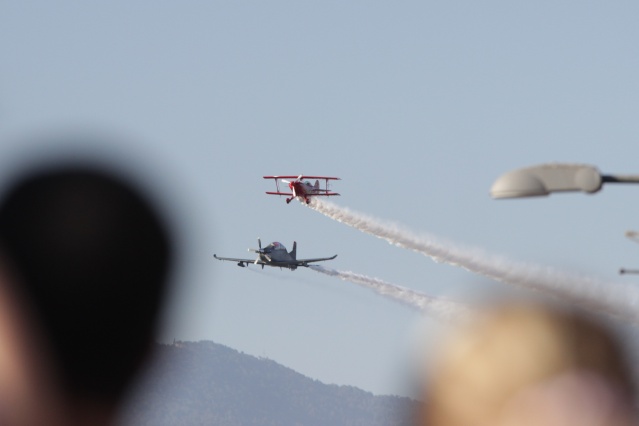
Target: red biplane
(302,188)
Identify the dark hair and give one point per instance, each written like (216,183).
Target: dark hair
(91,257)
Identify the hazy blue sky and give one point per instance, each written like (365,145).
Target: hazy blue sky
(418,106)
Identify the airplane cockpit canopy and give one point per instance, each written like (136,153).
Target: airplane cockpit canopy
(275,246)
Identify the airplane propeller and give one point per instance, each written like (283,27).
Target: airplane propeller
(259,244)
(260,252)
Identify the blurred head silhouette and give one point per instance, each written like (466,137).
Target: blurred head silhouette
(87,257)
(530,365)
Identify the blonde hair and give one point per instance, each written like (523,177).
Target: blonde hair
(516,348)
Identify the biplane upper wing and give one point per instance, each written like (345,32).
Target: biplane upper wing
(302,177)
(322,192)
(320,177)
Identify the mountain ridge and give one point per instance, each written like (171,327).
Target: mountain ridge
(205,383)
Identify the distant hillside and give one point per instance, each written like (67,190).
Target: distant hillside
(204,383)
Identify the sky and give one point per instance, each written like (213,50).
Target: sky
(417,106)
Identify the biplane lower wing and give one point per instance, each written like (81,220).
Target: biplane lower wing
(280,193)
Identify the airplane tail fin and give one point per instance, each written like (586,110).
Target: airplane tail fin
(294,251)
(316,186)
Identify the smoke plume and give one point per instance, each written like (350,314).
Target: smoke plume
(440,309)
(614,299)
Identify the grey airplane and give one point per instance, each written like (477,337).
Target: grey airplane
(275,254)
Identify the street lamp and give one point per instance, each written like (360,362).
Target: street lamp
(543,179)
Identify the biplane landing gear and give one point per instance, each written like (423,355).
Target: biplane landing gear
(288,200)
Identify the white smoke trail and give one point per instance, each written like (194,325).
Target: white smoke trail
(441,309)
(614,299)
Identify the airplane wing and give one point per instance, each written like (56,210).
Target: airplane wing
(241,262)
(305,262)
(286,264)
